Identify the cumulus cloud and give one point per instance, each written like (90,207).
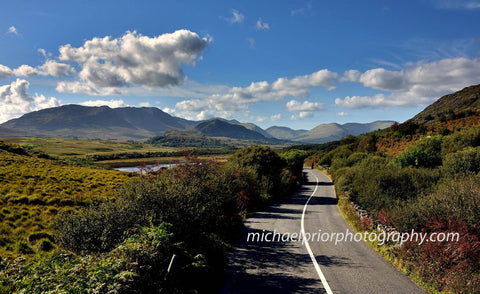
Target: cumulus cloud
(351,75)
(15,100)
(238,99)
(382,79)
(261,25)
(56,69)
(25,71)
(110,103)
(417,85)
(50,67)
(342,113)
(85,88)
(5,71)
(236,17)
(133,59)
(276,117)
(306,106)
(13,30)
(301,115)
(299,86)
(303,109)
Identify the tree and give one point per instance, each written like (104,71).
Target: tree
(425,153)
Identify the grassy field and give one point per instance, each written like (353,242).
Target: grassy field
(68,148)
(159,160)
(85,150)
(34,190)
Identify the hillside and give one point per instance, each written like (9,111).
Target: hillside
(221,128)
(459,104)
(35,190)
(330,132)
(75,121)
(5,132)
(284,132)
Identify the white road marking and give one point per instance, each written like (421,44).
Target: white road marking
(315,263)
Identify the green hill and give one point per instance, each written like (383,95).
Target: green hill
(221,128)
(75,121)
(331,132)
(459,104)
(284,132)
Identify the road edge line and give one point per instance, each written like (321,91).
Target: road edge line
(307,246)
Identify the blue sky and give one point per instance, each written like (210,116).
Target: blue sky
(291,63)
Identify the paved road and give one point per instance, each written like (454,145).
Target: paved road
(289,267)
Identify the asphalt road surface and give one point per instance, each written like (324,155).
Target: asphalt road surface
(317,267)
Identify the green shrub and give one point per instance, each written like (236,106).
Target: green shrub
(465,138)
(425,153)
(463,162)
(457,198)
(294,161)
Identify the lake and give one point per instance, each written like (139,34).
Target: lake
(152,167)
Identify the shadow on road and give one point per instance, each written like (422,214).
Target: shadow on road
(281,266)
(334,261)
(268,267)
(323,201)
(319,183)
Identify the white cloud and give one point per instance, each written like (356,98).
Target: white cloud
(238,99)
(382,79)
(301,115)
(342,113)
(417,85)
(351,75)
(15,101)
(261,25)
(378,100)
(85,88)
(168,110)
(144,104)
(56,69)
(133,59)
(45,54)
(13,30)
(50,67)
(299,86)
(236,17)
(110,103)
(5,71)
(276,117)
(25,71)
(306,106)
(304,110)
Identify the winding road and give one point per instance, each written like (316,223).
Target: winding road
(288,266)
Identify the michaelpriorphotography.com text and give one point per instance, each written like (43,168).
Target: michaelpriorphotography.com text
(350,236)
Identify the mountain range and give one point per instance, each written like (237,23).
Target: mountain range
(138,124)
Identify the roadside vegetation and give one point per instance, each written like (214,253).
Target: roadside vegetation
(414,177)
(77,229)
